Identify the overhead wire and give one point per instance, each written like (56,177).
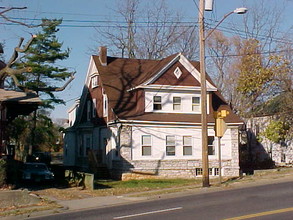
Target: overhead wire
(142,24)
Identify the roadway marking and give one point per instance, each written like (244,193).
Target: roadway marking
(148,213)
(261,214)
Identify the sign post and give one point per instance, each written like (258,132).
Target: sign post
(220,128)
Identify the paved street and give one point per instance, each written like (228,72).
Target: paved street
(274,201)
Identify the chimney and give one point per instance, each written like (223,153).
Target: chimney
(103,55)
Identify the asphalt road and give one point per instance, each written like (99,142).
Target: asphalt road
(274,201)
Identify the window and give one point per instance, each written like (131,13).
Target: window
(210,171)
(176,103)
(198,171)
(95,81)
(157,102)
(177,72)
(211,147)
(195,104)
(81,148)
(170,145)
(88,115)
(105,105)
(187,145)
(216,171)
(94,110)
(146,145)
(87,144)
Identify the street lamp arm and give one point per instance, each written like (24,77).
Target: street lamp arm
(236,11)
(211,31)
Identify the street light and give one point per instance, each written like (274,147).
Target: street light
(204,128)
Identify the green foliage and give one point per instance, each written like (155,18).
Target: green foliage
(276,131)
(46,133)
(43,56)
(2,172)
(260,79)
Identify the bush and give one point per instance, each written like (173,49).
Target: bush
(2,172)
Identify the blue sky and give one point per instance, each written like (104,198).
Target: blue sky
(80,39)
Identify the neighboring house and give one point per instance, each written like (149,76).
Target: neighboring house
(280,153)
(12,104)
(144,117)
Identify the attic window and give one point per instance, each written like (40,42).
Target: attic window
(177,72)
(95,81)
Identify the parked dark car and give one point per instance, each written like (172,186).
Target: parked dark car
(36,172)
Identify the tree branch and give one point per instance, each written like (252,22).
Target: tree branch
(17,22)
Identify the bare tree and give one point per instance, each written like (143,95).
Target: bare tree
(156,33)
(8,71)
(6,18)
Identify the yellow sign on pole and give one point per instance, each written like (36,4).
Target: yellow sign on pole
(220,125)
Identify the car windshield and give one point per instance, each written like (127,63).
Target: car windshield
(35,167)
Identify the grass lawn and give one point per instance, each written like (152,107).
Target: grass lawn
(131,186)
(146,183)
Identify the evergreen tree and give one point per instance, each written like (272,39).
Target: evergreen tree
(45,77)
(43,56)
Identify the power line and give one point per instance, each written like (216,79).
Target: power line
(141,24)
(260,53)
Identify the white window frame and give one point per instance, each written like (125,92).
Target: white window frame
(95,81)
(187,145)
(143,145)
(177,72)
(195,106)
(157,103)
(94,108)
(176,104)
(105,105)
(211,145)
(198,171)
(170,145)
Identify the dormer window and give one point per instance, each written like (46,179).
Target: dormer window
(157,102)
(95,81)
(177,103)
(195,104)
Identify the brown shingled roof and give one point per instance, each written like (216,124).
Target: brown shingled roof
(122,74)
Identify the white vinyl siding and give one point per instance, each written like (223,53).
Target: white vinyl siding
(158,143)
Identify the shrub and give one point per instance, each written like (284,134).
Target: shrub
(2,172)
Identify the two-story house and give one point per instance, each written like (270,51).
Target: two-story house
(143,116)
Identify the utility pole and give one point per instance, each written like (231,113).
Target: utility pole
(204,127)
(204,123)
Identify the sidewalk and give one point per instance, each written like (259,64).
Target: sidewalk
(104,201)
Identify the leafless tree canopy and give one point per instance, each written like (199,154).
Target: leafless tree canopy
(149,30)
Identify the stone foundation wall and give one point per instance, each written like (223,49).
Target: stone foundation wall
(150,169)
